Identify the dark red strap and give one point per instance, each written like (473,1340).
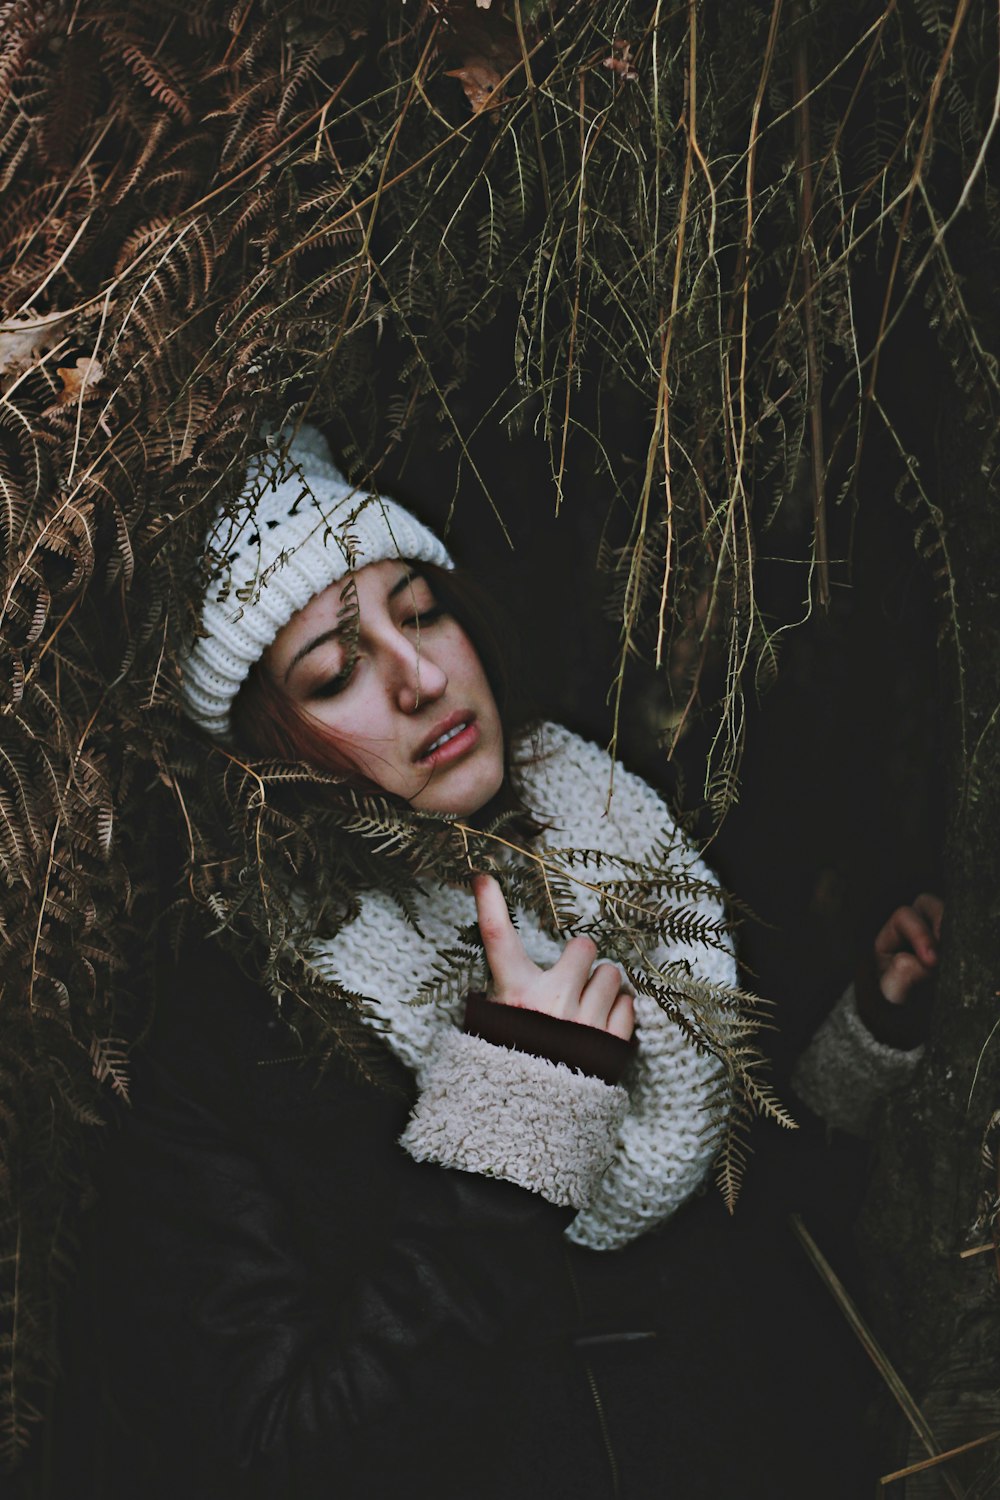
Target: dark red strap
(587,1048)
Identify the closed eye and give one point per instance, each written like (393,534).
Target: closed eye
(335,685)
(426,616)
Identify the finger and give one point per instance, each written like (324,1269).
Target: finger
(599,995)
(891,937)
(572,968)
(906,929)
(621,1021)
(624,983)
(504,950)
(904,973)
(931,907)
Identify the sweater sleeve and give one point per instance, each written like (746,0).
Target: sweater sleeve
(503,1112)
(484,1106)
(844,1072)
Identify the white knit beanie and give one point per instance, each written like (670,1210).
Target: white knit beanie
(299,529)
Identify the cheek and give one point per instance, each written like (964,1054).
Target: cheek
(466,660)
(339,732)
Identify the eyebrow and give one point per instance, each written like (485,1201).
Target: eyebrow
(401,583)
(337,630)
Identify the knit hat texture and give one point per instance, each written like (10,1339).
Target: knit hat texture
(295,532)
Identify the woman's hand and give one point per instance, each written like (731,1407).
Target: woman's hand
(906,949)
(890,984)
(572,990)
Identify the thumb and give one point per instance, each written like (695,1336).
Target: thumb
(902,975)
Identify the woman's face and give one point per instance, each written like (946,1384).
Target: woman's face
(399,685)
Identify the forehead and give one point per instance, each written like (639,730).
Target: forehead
(371,585)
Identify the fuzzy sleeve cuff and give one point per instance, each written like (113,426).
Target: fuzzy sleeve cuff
(844,1072)
(508,1114)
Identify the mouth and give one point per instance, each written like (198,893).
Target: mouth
(449,739)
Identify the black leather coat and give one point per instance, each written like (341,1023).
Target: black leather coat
(283,1306)
(297,1309)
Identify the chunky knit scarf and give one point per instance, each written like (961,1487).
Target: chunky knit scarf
(625,1160)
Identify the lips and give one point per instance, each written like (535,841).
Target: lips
(447,732)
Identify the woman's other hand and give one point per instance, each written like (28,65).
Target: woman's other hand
(572,990)
(891,983)
(906,949)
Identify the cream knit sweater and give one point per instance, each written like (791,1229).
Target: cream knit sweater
(625,1160)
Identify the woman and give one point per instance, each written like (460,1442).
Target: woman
(331,1289)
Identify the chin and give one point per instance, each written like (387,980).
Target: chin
(466,797)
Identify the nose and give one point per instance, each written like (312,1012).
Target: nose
(418,680)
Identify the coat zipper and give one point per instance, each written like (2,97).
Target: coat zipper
(602,1421)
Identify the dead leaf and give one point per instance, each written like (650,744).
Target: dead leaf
(620,61)
(478,78)
(23,340)
(481,47)
(77,379)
